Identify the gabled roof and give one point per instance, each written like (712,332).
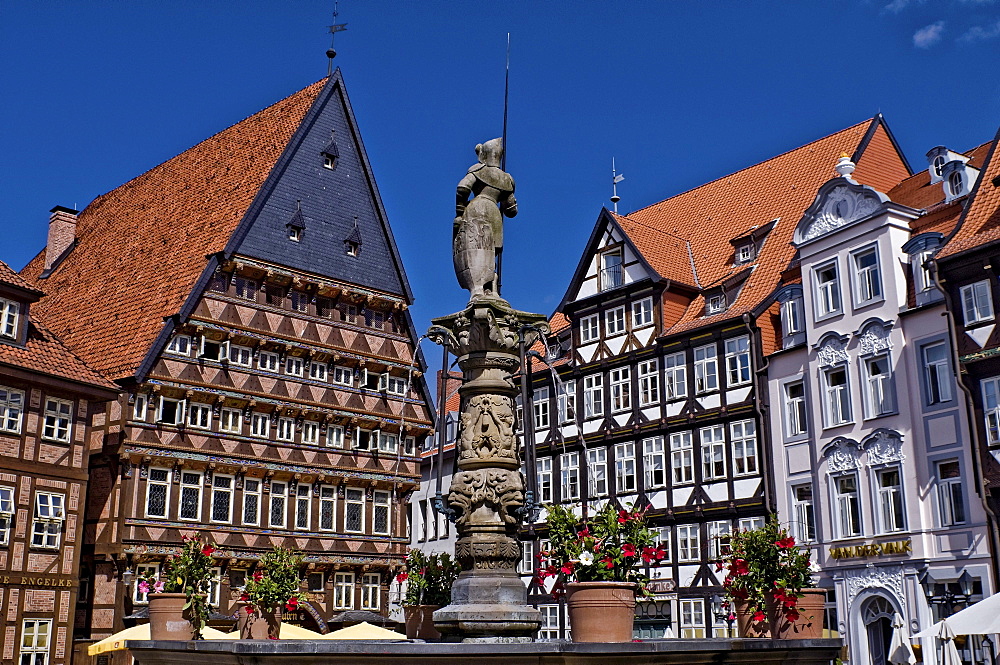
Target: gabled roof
(142,247)
(10,278)
(980,223)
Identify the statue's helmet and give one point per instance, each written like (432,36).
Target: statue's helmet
(491,152)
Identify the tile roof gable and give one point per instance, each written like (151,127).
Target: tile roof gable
(980,222)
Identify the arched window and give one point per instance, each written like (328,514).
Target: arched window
(938,165)
(955,183)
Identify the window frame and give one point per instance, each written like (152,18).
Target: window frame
(744,447)
(949,489)
(681,458)
(173,346)
(828,300)
(845,413)
(367,593)
(327,499)
(382,501)
(8,406)
(165,483)
(706,368)
(738,364)
(7,512)
(860,277)
(32,637)
(187,484)
(804,511)
(46,529)
(620,388)
(625,468)
(688,543)
(199,415)
(795,409)
(654,461)
(57,423)
(544,480)
(348,502)
(273,499)
(843,501)
(285,429)
(713,464)
(219,491)
(302,515)
(343,590)
(260,424)
(875,387)
(590,328)
(597,483)
(675,376)
(569,476)
(593,396)
(891,500)
(973,297)
(614,321)
(642,313)
(937,374)
(241,356)
(566,402)
(648,372)
(540,408)
(249,493)
(269,361)
(230,420)
(10,318)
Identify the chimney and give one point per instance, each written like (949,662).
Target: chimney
(62,234)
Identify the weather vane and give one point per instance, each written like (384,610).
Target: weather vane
(334,29)
(615,179)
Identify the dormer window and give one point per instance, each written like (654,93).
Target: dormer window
(955,183)
(744,253)
(294,234)
(351,247)
(331,152)
(612,274)
(938,165)
(329,162)
(9,311)
(716,303)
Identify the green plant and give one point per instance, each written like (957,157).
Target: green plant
(611,545)
(767,562)
(190,573)
(275,582)
(428,578)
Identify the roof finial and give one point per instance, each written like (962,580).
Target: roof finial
(615,179)
(334,29)
(845,167)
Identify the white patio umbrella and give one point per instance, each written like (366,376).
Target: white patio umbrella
(900,652)
(982,618)
(949,652)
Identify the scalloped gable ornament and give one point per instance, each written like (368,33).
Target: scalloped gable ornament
(840,201)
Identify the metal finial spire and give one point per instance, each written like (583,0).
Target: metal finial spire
(615,179)
(334,29)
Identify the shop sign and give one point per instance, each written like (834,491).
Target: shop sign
(873,549)
(661,586)
(37,580)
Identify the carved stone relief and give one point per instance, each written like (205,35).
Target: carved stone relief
(831,353)
(487,428)
(843,456)
(841,206)
(875,339)
(889,578)
(500,491)
(884,447)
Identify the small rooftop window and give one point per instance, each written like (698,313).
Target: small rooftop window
(294,234)
(744,253)
(955,183)
(716,303)
(938,164)
(352,248)
(331,153)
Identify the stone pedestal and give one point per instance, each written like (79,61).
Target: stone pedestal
(487,494)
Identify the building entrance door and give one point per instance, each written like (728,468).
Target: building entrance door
(877,616)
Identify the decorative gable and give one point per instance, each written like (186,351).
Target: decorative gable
(839,203)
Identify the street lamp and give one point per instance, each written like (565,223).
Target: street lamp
(722,611)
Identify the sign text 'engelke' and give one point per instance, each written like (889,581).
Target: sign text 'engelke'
(29,580)
(872,549)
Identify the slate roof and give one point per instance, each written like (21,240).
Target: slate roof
(980,223)
(43,352)
(142,247)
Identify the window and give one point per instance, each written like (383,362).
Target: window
(937,377)
(58,413)
(371,381)
(991,408)
(663,537)
(199,415)
(836,398)
(310,432)
(713,452)
(589,329)
(791,317)
(848,505)
(380,513)
(246,288)
(343,376)
(612,275)
(949,477)
(878,386)
(744,440)
(597,471)
(299,301)
(827,283)
(654,462)
(922,277)
(190,497)
(260,424)
(327,507)
(157,492)
(303,506)
(549,630)
(938,164)
(955,183)
(977,302)
(621,389)
(335,436)
(682,457)
(343,591)
(144,570)
(363,439)
(279,505)
(213,349)
(593,395)
(170,411)
(294,232)
(567,402)
(649,382)
(240,355)
(286,429)
(540,407)
(214,587)
(692,619)
(8,317)
(688,543)
(569,473)
(268,361)
(49,515)
(543,473)
(179,345)
(317,371)
(351,247)
(354,513)
(251,501)
(750,523)
(11,408)
(6,513)
(294,365)
(391,384)
(349,313)
(231,420)
(642,313)
(867,280)
(718,538)
(422,507)
(804,526)
(675,375)
(222,498)
(738,361)
(614,321)
(316,582)
(795,409)
(36,634)
(705,370)
(744,253)
(716,303)
(890,499)
(625,468)
(370,591)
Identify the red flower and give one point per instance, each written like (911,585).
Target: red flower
(567,568)
(628,549)
(207,550)
(739,567)
(271,637)
(244,597)
(258,575)
(649,555)
(785,543)
(291,603)
(608,563)
(791,615)
(758,616)
(402,577)
(718,566)
(622,516)
(741,594)
(584,532)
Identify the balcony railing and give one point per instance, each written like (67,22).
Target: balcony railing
(612,277)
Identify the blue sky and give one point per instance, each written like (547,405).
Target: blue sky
(679,93)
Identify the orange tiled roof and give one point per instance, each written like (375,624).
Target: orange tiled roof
(8,276)
(781,187)
(981,222)
(142,246)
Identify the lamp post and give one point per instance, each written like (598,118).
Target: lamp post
(722,612)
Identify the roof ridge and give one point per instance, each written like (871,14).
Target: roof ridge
(752,166)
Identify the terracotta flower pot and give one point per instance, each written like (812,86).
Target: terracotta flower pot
(744,620)
(167,618)
(420,622)
(809,625)
(601,611)
(258,623)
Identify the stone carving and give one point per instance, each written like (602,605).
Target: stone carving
(877,577)
(883,447)
(841,206)
(478,230)
(831,353)
(489,555)
(875,339)
(500,490)
(842,455)
(487,428)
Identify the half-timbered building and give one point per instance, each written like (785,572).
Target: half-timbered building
(50,402)
(656,386)
(249,297)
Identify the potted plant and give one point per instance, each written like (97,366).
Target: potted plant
(428,578)
(178,603)
(271,588)
(769,581)
(598,562)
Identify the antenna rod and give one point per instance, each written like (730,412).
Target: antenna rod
(506,91)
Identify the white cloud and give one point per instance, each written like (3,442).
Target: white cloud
(980,33)
(929,35)
(897,6)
